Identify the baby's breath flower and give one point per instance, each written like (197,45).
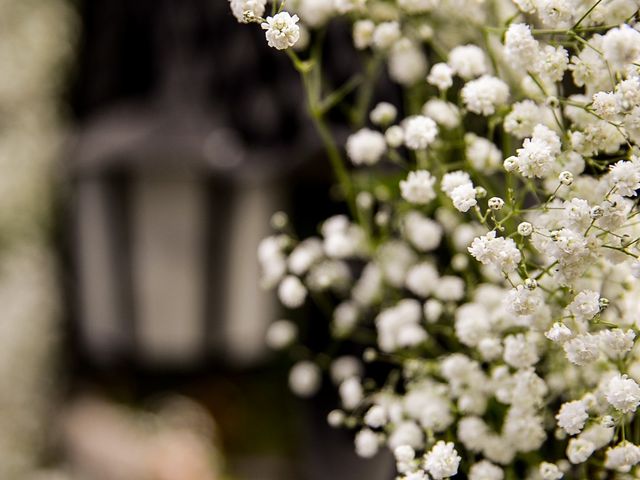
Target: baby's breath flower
(566,178)
(383,114)
(282,30)
(418,187)
(623,393)
(496,203)
(366,147)
(550,471)
(442,460)
(525,229)
(419,132)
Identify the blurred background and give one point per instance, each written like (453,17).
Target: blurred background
(143,149)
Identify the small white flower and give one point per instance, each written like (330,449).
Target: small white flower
(363,33)
(376,417)
(572,417)
(406,433)
(445,114)
(345,368)
(367,443)
(468,61)
(419,132)
(495,203)
(394,136)
(502,253)
(452,180)
(442,460)
(623,393)
(525,229)
(423,233)
(621,46)
(407,63)
(520,351)
(616,343)
(422,279)
(247,10)
(386,34)
(566,178)
(606,105)
(432,310)
(622,457)
(441,76)
(538,153)
(550,471)
(351,393)
(485,470)
(346,6)
(418,6)
(336,418)
(282,30)
(625,176)
(304,379)
(520,46)
(383,114)
(418,187)
(522,301)
(559,333)
(483,95)
(579,450)
(281,334)
(404,453)
(450,288)
(464,197)
(366,147)
(291,292)
(585,305)
(582,349)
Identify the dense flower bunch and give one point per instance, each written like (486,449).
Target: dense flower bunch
(494,236)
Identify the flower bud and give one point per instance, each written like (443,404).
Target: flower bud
(496,203)
(566,178)
(596,212)
(370,355)
(394,136)
(336,418)
(525,229)
(510,164)
(607,421)
(552,102)
(383,114)
(279,220)
(364,200)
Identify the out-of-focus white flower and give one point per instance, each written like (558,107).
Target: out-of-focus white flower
(304,379)
(418,187)
(281,334)
(247,10)
(366,147)
(442,460)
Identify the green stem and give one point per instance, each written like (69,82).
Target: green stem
(337,161)
(587,13)
(312,81)
(365,93)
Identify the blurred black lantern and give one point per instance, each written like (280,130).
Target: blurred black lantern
(167,225)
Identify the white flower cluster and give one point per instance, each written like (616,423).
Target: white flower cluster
(494,242)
